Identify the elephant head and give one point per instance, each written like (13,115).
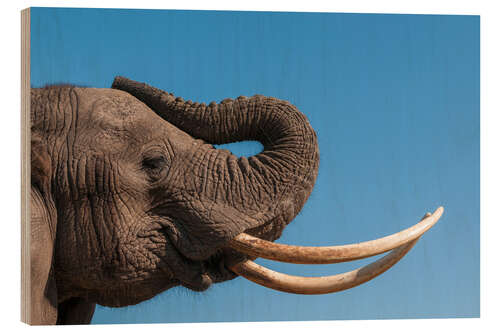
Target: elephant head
(129,198)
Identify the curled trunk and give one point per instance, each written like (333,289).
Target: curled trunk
(271,186)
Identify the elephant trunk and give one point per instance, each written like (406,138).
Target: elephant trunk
(274,184)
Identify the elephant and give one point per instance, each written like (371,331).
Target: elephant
(130,198)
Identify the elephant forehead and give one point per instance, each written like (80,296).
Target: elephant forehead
(111,116)
(110,108)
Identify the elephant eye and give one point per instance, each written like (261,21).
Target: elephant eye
(154,167)
(154,163)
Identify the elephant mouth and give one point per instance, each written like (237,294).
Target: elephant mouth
(212,270)
(199,274)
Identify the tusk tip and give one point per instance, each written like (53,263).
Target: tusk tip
(439,211)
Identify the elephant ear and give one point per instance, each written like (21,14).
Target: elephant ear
(43,304)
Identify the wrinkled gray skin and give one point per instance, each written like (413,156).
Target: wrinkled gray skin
(129,198)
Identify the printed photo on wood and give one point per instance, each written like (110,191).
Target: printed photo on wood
(221,166)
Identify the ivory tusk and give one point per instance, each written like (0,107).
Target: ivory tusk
(319,285)
(331,254)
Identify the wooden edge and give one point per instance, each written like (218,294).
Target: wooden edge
(25,165)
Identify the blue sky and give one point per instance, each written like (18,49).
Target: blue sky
(394,100)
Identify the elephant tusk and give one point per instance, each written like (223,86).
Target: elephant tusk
(331,254)
(319,285)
